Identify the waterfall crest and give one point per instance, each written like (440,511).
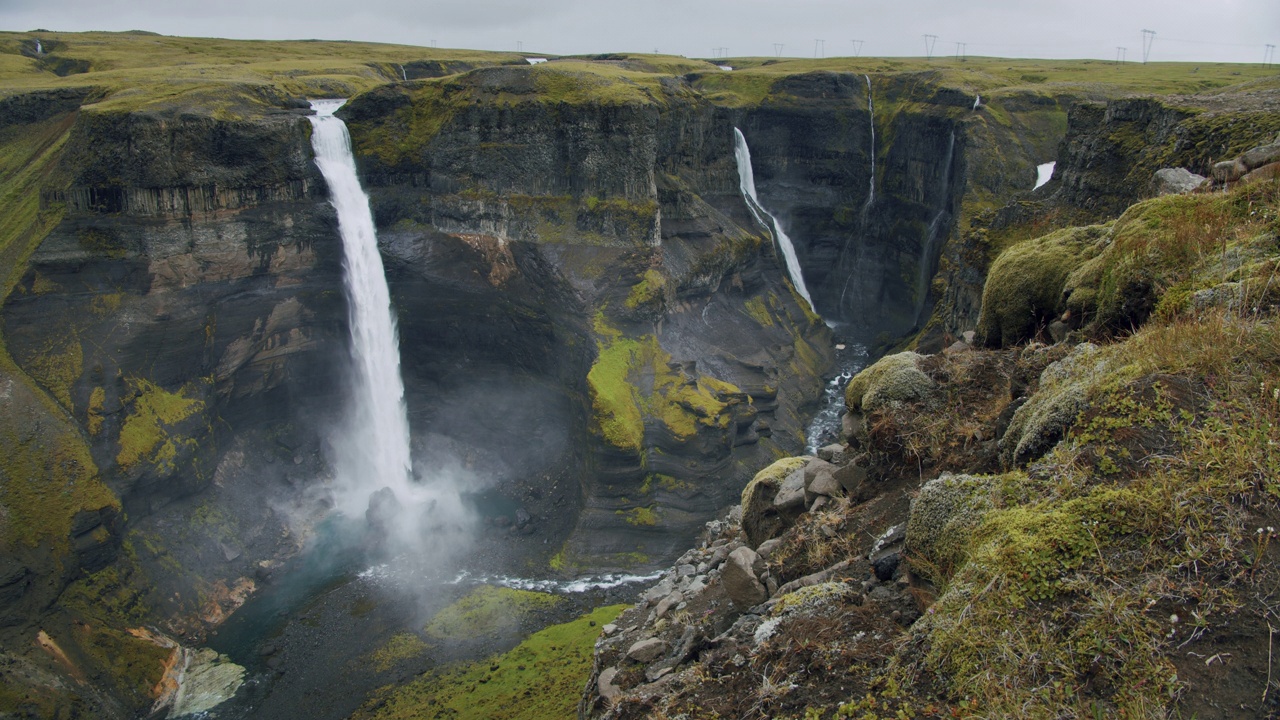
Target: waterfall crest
(747,184)
(379,424)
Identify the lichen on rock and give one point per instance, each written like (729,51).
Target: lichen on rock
(893,378)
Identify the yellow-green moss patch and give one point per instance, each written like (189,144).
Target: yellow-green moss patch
(147,431)
(541,678)
(485,610)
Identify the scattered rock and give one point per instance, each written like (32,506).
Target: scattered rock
(1175,181)
(740,582)
(833,453)
(605,686)
(646,651)
(1228,171)
(790,498)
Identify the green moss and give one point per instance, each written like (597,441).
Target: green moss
(651,287)
(58,365)
(93,413)
(486,610)
(943,517)
(1024,288)
(759,311)
(400,647)
(541,678)
(613,396)
(147,432)
(640,516)
(134,664)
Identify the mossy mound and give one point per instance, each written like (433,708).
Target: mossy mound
(943,516)
(1166,250)
(1044,419)
(892,379)
(1023,293)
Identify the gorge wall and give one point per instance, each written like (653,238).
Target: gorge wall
(593,326)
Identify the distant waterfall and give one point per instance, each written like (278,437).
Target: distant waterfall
(871,120)
(747,184)
(1044,173)
(39,48)
(379,428)
(925,272)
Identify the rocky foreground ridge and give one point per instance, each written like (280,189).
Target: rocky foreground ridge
(1067,513)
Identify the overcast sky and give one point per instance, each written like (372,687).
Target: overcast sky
(1200,30)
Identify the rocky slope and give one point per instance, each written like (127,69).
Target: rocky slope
(1075,527)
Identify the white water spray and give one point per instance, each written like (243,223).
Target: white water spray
(747,184)
(1044,173)
(379,428)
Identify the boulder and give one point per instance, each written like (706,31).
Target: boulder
(760,518)
(1270,171)
(790,501)
(824,485)
(833,453)
(851,478)
(667,603)
(1228,171)
(1044,419)
(740,582)
(605,686)
(648,650)
(1175,181)
(1261,155)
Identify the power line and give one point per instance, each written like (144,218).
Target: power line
(1120,53)
(819,48)
(1148,39)
(777,49)
(857,47)
(1268,55)
(929,40)
(962,50)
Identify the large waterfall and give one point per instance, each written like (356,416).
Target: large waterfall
(377,439)
(747,184)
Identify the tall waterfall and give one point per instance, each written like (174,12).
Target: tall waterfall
(378,434)
(871,120)
(39,48)
(747,184)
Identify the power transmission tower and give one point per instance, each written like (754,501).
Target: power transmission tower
(519,46)
(1120,52)
(929,40)
(777,49)
(819,48)
(1268,55)
(962,50)
(1148,39)
(857,47)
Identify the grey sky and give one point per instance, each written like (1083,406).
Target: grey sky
(1200,30)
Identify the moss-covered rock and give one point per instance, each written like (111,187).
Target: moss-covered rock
(943,515)
(1024,289)
(893,378)
(760,518)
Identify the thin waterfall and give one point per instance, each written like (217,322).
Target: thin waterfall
(379,427)
(747,184)
(39,48)
(871,120)
(404,74)
(926,268)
